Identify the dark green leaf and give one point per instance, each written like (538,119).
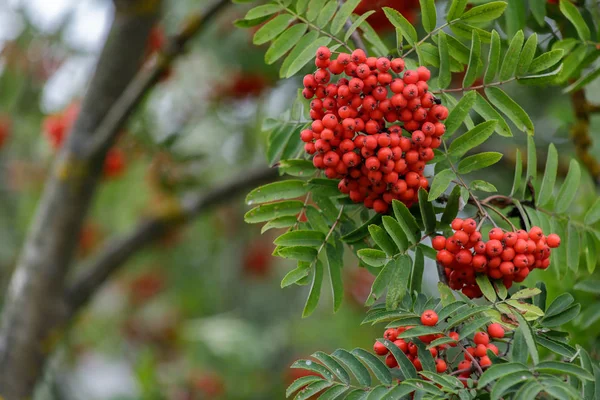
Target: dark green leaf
(298,51)
(362,231)
(511,58)
(382,239)
(574,16)
(527,54)
(445,76)
(305,55)
(272,29)
(497,371)
(417,271)
(314,9)
(284,43)
(357,22)
(451,209)
(312,389)
(301,238)
(538,9)
(555,346)
(296,274)
(510,108)
(267,212)
(399,281)
(372,257)
(471,327)
(460,112)
(545,193)
(560,304)
(333,366)
(484,13)
(262,11)
(593,214)
(343,15)
(398,20)
(464,315)
(568,190)
(335,261)
(396,232)
(493,58)
(428,14)
(478,161)
(586,78)
(316,219)
(474,60)
(300,168)
(427,212)
(281,222)
(310,365)
(441,181)
(456,9)
(529,338)
(298,253)
(358,370)
(407,367)
(545,61)
(508,381)
(562,318)
(380,283)
(334,392)
(326,13)
(589,286)
(573,249)
(471,139)
(406,220)
(518,173)
(379,369)
(315,290)
(486,288)
(564,368)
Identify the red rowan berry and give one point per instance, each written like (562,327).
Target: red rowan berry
(380,349)
(553,240)
(429,318)
(495,330)
(481,338)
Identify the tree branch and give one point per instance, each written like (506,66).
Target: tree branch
(147,78)
(34,312)
(119,250)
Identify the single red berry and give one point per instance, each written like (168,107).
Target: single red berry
(380,349)
(429,318)
(481,338)
(553,240)
(440,365)
(495,330)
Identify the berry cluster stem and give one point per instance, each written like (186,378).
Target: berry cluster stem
(477,87)
(430,34)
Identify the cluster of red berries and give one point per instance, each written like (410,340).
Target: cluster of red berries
(350,137)
(509,256)
(477,352)
(56,127)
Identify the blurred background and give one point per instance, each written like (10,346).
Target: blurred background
(200,314)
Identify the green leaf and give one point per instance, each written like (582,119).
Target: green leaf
(310,365)
(396,232)
(472,139)
(471,327)
(556,367)
(460,112)
(316,219)
(573,63)
(570,11)
(301,6)
(295,275)
(428,14)
(486,288)
(372,257)
(483,108)
(300,168)
(298,253)
(335,262)
(334,392)
(529,338)
(451,209)
(382,240)
(358,370)
(511,58)
(358,22)
(380,370)
(508,381)
(315,290)
(478,161)
(497,371)
(484,13)
(416,278)
(465,31)
(314,8)
(592,248)
(446,295)
(371,36)
(407,367)
(302,382)
(427,212)
(514,17)
(305,56)
(440,183)
(560,304)
(312,389)
(263,11)
(583,81)
(284,43)
(333,366)
(362,231)
(445,76)
(519,347)
(568,190)
(464,315)
(474,60)
(545,61)
(267,212)
(525,293)
(556,346)
(531,160)
(538,9)
(407,221)
(493,58)
(326,13)
(589,286)
(456,9)
(380,283)
(281,222)
(343,15)
(593,214)
(510,108)
(282,190)
(272,29)
(482,186)
(573,249)
(527,54)
(562,318)
(398,20)
(399,281)
(298,51)
(541,79)
(544,195)
(301,238)
(531,312)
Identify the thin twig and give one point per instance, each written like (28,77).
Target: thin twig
(477,87)
(430,34)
